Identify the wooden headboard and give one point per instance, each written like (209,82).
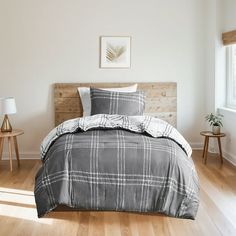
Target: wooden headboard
(161,99)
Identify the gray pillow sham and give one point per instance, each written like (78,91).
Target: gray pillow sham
(110,102)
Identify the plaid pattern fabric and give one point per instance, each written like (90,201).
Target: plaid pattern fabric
(139,124)
(115,169)
(110,102)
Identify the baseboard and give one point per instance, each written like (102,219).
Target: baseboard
(196,146)
(230,157)
(36,155)
(199,146)
(23,155)
(214,149)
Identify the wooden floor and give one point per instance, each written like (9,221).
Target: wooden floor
(216,215)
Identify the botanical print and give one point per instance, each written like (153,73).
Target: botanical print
(115,52)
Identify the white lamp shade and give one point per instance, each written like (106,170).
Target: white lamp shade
(7,105)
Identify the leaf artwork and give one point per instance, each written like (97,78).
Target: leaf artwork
(114,53)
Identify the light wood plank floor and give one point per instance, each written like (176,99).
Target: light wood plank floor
(216,215)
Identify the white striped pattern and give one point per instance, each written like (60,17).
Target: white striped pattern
(140,124)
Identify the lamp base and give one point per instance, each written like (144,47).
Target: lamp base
(6,125)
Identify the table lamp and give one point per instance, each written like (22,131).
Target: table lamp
(7,107)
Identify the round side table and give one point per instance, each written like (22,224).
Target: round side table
(207,135)
(12,140)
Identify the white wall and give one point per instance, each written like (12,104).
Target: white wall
(215,60)
(228,15)
(229,147)
(228,24)
(222,18)
(50,41)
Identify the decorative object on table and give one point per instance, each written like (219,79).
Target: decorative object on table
(7,107)
(215,120)
(115,52)
(207,135)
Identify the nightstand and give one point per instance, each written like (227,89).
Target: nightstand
(12,141)
(207,135)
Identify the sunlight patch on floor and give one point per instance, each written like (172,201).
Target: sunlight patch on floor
(17,196)
(10,205)
(18,191)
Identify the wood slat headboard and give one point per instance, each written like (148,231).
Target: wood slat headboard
(161,99)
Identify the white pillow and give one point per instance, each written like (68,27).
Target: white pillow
(84,93)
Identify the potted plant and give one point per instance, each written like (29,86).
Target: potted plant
(215,121)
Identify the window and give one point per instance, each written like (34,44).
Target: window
(231,77)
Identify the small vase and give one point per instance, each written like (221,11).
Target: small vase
(216,129)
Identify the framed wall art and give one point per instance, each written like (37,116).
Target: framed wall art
(115,52)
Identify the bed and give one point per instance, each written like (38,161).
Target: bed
(112,161)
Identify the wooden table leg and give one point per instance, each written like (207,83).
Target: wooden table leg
(10,151)
(16,150)
(219,144)
(206,149)
(203,153)
(1,147)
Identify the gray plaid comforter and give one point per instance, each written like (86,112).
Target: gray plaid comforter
(110,162)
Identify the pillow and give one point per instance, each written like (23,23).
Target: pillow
(110,102)
(84,93)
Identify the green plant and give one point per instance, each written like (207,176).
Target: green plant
(214,120)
